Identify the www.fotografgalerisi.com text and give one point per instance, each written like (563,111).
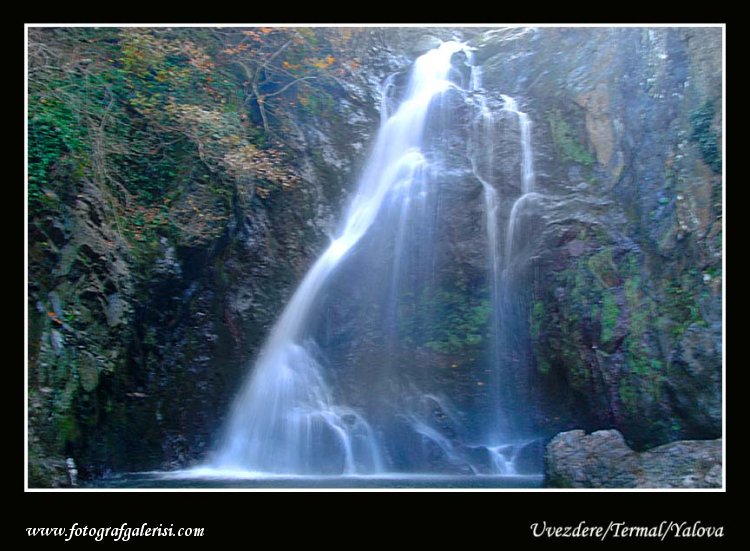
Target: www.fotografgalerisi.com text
(117,533)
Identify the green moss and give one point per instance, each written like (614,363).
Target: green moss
(447,319)
(628,395)
(580,377)
(647,372)
(602,266)
(56,138)
(680,304)
(566,142)
(537,318)
(610,313)
(67,430)
(601,294)
(642,359)
(580,288)
(640,310)
(707,140)
(713,271)
(629,264)
(632,292)
(543,366)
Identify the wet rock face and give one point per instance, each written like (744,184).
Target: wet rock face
(624,261)
(603,460)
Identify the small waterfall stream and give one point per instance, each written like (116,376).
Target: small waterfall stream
(482,153)
(528,195)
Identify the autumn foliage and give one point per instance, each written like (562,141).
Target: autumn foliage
(170,123)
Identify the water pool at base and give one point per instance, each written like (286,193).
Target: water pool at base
(216,479)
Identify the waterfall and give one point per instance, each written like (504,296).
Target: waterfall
(347,381)
(287,418)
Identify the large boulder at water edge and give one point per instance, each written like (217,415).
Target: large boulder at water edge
(602,459)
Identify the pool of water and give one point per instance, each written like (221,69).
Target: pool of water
(205,478)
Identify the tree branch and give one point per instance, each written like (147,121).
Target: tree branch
(289,85)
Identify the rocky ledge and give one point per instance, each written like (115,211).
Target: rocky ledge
(602,459)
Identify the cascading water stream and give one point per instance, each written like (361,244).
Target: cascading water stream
(527,155)
(482,155)
(286,418)
(527,175)
(337,388)
(513,309)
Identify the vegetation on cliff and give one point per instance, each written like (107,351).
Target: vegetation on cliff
(181,181)
(149,150)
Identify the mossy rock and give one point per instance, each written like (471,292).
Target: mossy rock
(88,373)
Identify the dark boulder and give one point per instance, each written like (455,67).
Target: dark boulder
(602,459)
